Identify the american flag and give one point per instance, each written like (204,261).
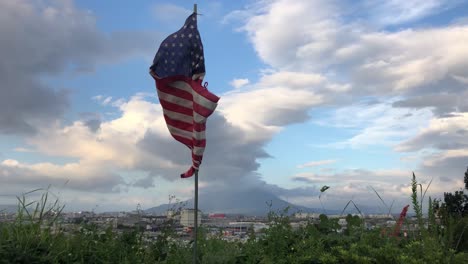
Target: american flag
(178,69)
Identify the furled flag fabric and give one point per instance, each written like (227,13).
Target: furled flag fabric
(178,69)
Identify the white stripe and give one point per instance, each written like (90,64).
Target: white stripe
(199,135)
(186,134)
(179,132)
(198,76)
(178,116)
(175,100)
(198,118)
(199,99)
(198,151)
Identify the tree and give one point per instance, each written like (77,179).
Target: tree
(466,179)
(456,204)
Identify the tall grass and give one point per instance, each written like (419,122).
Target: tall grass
(38,236)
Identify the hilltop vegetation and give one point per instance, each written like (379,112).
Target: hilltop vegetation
(36,237)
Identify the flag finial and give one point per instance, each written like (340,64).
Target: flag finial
(195,8)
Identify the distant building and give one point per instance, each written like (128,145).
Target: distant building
(306,215)
(217,216)
(187,217)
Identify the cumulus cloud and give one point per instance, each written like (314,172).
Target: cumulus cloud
(85,177)
(275,101)
(55,36)
(449,133)
(287,36)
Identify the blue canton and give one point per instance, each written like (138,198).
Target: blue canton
(181,53)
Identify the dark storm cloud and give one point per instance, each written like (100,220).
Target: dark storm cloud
(92,121)
(40,39)
(227,154)
(447,169)
(444,97)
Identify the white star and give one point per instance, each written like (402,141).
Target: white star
(191,26)
(181,45)
(190,35)
(182,35)
(175,35)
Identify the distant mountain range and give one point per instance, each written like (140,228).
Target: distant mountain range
(252,202)
(8,208)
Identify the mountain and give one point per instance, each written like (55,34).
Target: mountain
(8,208)
(252,202)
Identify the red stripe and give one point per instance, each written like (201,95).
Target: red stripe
(187,142)
(174,91)
(176,108)
(205,112)
(199,127)
(199,143)
(202,110)
(197,158)
(188,173)
(195,84)
(162,85)
(179,124)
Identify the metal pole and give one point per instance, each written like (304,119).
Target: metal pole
(195,228)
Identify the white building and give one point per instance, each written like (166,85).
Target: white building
(187,217)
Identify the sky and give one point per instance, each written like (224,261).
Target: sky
(355,95)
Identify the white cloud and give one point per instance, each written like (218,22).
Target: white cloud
(376,123)
(238,83)
(316,163)
(97,98)
(287,36)
(448,133)
(107,100)
(461,79)
(84,176)
(400,11)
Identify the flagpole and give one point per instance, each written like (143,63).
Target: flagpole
(195,229)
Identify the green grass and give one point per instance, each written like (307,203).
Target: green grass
(36,236)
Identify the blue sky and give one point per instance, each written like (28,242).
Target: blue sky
(351,94)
